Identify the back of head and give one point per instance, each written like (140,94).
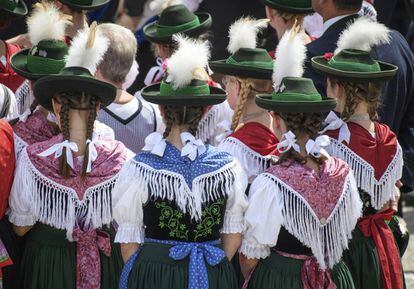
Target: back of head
(121,52)
(348,4)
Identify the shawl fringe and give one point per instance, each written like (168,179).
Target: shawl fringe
(208,125)
(382,190)
(19,145)
(327,240)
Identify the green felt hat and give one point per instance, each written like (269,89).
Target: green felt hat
(246,62)
(291,6)
(297,95)
(177,19)
(354,65)
(198,93)
(72,79)
(13,7)
(45,58)
(84,4)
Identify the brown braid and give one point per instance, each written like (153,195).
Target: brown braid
(239,110)
(64,127)
(89,133)
(356,93)
(301,124)
(190,115)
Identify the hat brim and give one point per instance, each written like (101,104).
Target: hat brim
(94,5)
(47,87)
(320,64)
(19,64)
(150,30)
(152,94)
(288,9)
(19,10)
(265,101)
(220,66)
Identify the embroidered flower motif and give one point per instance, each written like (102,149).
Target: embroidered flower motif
(211,217)
(170,219)
(328,56)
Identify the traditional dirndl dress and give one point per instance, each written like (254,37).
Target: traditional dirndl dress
(376,160)
(71,242)
(299,223)
(176,204)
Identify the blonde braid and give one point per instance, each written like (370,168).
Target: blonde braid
(246,85)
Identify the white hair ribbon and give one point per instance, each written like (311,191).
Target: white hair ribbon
(92,152)
(192,146)
(23,117)
(316,147)
(334,122)
(288,142)
(155,143)
(155,73)
(57,149)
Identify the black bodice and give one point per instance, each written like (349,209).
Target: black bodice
(289,244)
(164,220)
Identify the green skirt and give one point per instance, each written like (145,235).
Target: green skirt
(49,261)
(279,272)
(154,269)
(362,260)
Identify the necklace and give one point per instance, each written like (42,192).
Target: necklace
(359,117)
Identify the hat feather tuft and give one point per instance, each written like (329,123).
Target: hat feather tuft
(88,48)
(46,23)
(159,5)
(188,62)
(243,33)
(363,34)
(290,57)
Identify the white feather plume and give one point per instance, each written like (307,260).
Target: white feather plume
(46,23)
(363,34)
(188,62)
(243,33)
(158,6)
(289,58)
(87,49)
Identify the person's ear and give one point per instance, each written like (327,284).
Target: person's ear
(162,111)
(270,13)
(56,110)
(97,107)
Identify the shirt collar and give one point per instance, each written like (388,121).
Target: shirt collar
(328,23)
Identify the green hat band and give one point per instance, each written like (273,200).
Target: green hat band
(293,3)
(292,97)
(167,89)
(163,30)
(354,66)
(81,2)
(256,64)
(8,4)
(44,65)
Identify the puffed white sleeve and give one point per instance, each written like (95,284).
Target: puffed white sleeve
(263,218)
(21,200)
(129,195)
(236,203)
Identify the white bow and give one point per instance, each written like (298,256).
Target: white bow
(23,117)
(225,127)
(192,146)
(316,147)
(334,122)
(51,117)
(155,143)
(289,141)
(155,73)
(92,152)
(57,149)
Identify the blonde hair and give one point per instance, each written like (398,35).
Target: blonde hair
(249,86)
(287,17)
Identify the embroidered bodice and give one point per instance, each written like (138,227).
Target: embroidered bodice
(254,146)
(318,209)
(376,161)
(40,194)
(175,198)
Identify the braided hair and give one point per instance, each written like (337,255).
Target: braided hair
(75,101)
(186,115)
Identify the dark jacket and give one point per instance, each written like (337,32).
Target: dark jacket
(397,101)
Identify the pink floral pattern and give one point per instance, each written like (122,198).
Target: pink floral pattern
(111,156)
(35,129)
(322,189)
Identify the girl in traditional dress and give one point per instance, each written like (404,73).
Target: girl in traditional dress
(61,195)
(370,148)
(302,210)
(180,202)
(248,71)
(175,17)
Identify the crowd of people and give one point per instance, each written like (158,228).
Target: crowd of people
(278,168)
